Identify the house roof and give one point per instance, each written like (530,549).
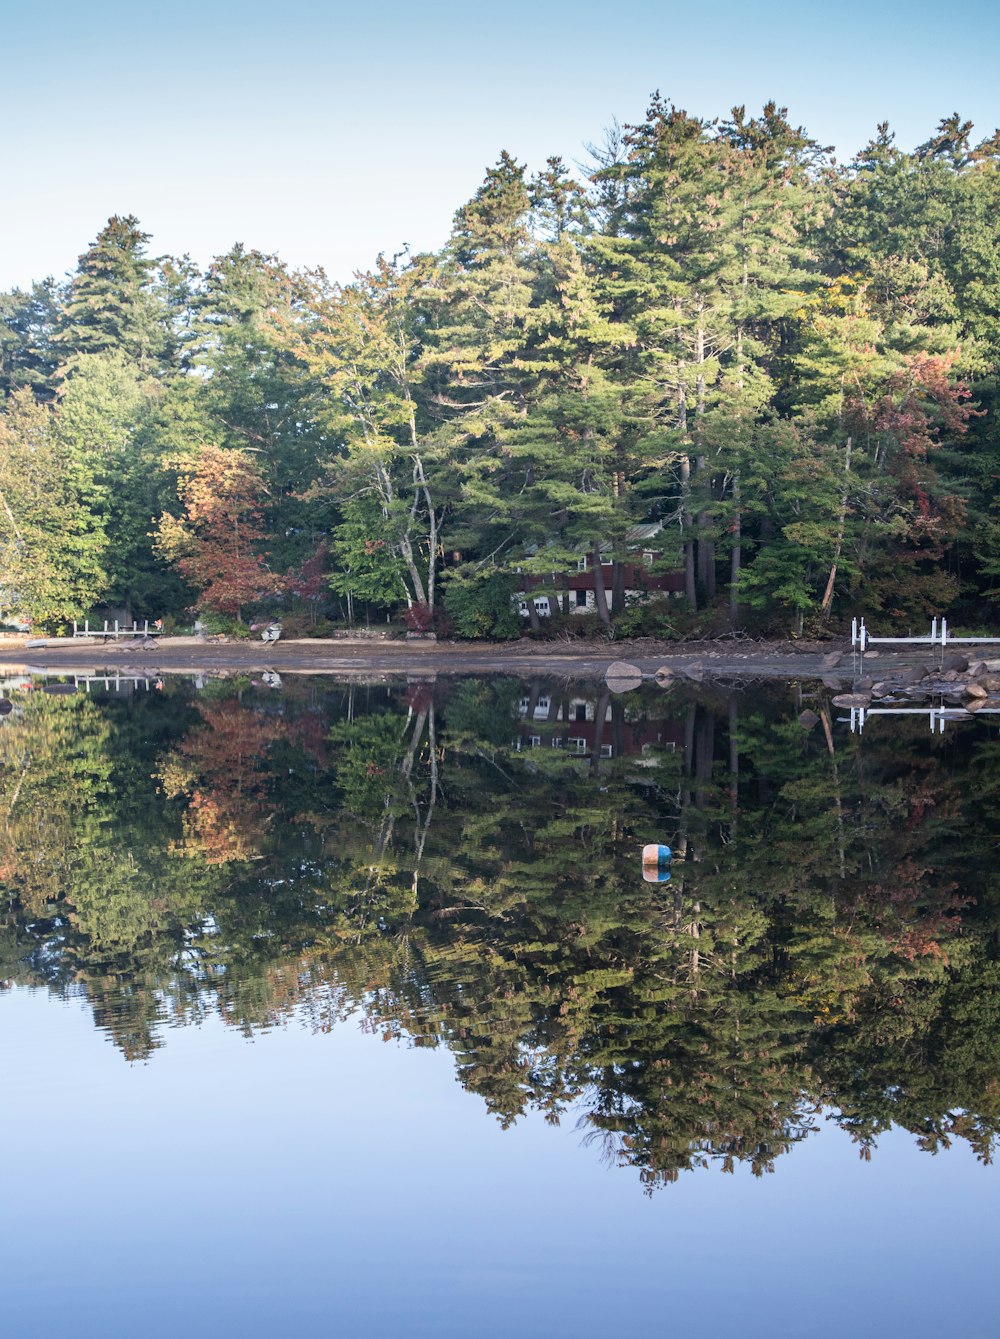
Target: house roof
(640,533)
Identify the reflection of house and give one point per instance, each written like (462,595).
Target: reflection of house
(570,724)
(578,589)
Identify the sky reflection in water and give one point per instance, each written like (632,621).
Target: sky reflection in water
(341,1179)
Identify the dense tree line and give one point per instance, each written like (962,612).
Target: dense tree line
(788,363)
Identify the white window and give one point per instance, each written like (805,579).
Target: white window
(605,750)
(579,744)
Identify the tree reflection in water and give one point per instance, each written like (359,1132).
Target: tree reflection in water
(457,865)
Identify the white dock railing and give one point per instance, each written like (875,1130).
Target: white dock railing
(861,638)
(115,629)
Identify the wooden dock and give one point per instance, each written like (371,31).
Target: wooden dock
(116,629)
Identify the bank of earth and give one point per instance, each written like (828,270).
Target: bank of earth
(831,660)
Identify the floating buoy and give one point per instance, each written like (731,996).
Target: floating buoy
(656,873)
(656,855)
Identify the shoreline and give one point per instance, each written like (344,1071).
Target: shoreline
(524,659)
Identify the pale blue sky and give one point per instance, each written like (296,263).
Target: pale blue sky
(328,132)
(333,1185)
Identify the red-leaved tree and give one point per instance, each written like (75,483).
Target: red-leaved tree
(215,542)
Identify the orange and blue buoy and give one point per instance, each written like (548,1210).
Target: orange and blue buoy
(656,863)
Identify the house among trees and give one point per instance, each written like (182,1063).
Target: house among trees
(577,591)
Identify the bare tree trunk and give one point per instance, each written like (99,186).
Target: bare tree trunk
(600,594)
(617,587)
(432,529)
(406,552)
(685,473)
(827,600)
(735,556)
(706,545)
(690,589)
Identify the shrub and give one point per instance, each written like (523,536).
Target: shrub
(483,605)
(418,618)
(645,618)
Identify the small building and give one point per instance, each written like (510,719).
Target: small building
(579,588)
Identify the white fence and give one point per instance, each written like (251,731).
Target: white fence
(861,638)
(115,629)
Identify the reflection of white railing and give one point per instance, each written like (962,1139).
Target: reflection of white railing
(937,715)
(115,681)
(861,638)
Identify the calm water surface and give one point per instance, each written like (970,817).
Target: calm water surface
(348,1010)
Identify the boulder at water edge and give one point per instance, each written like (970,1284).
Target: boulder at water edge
(621,677)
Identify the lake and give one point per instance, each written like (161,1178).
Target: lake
(350,1009)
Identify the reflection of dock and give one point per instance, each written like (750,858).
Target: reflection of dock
(113,681)
(937,715)
(71,681)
